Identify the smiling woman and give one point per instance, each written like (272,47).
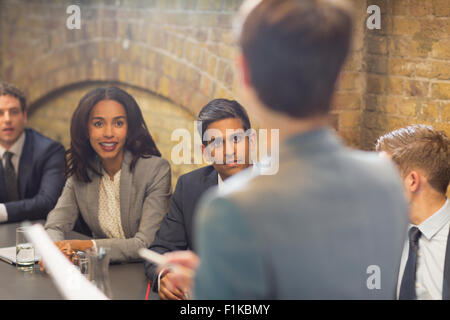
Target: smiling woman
(117,180)
(96,120)
(108,133)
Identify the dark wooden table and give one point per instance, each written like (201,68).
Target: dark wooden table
(128,281)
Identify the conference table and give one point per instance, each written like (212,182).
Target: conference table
(128,281)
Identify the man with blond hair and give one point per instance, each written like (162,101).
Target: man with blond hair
(423,157)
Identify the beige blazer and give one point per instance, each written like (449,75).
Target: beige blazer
(144,200)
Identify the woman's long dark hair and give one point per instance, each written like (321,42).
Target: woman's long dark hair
(81,156)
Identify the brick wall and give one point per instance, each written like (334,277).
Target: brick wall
(183,51)
(348,102)
(408,68)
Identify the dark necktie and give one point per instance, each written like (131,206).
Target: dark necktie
(408,284)
(10,178)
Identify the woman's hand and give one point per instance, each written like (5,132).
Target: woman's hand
(69,248)
(74,245)
(66,248)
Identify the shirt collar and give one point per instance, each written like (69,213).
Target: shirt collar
(219,181)
(256,169)
(16,148)
(436,221)
(108,178)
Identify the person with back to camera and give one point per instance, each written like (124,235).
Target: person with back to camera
(330,214)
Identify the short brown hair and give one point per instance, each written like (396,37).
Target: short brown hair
(7,89)
(294,50)
(420,147)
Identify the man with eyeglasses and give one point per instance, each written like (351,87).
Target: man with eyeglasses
(224,127)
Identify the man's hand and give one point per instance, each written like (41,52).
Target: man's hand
(180,279)
(167,294)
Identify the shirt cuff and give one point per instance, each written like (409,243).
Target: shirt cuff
(163,270)
(94,245)
(3,213)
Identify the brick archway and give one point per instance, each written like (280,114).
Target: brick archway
(139,66)
(148,47)
(185,51)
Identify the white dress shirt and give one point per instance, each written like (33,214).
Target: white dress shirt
(16,150)
(219,181)
(430,256)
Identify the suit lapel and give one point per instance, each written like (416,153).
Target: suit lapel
(126,185)
(210,178)
(446,283)
(2,184)
(91,194)
(25,164)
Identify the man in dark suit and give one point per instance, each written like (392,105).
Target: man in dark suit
(31,166)
(176,232)
(422,155)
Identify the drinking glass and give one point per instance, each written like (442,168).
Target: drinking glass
(24,251)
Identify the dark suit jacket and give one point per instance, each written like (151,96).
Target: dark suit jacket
(175,232)
(40,178)
(446,284)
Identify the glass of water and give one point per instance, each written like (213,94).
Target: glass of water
(81,260)
(24,251)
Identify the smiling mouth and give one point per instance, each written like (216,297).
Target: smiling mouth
(108,146)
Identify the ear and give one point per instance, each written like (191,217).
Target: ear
(25,116)
(243,70)
(206,155)
(413,181)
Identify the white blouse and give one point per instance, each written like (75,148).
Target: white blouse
(109,206)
